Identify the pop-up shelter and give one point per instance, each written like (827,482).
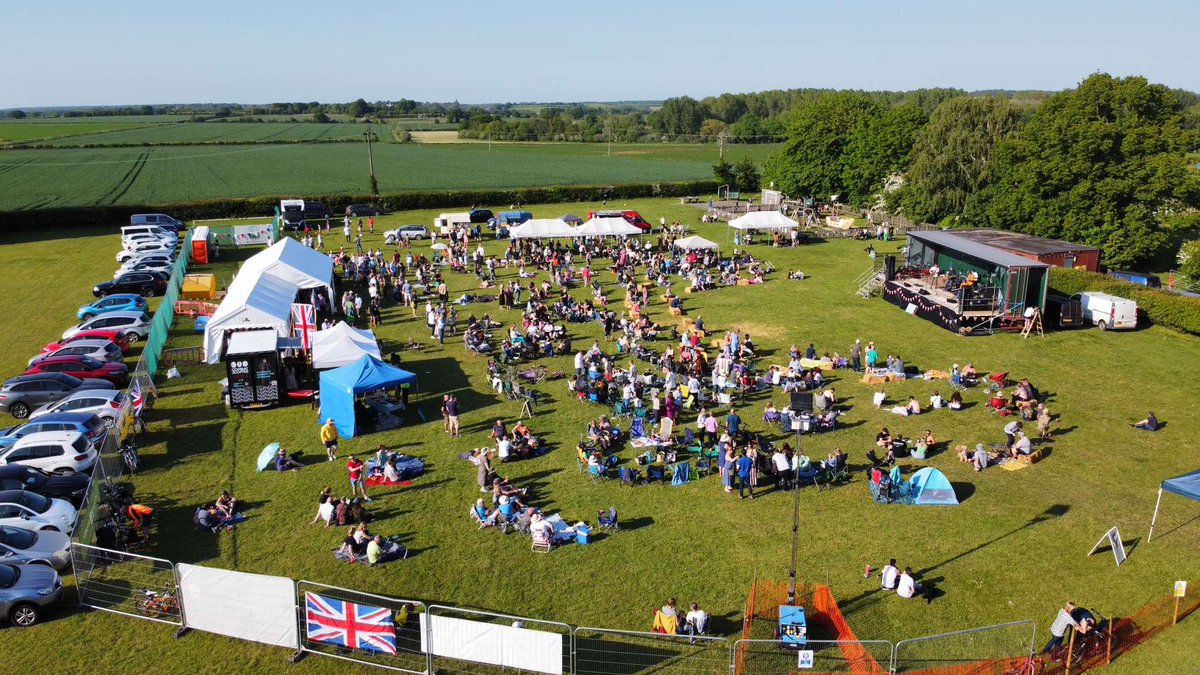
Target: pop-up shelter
(929,487)
(340,385)
(763,220)
(546,228)
(695,243)
(607,226)
(1187,485)
(342,345)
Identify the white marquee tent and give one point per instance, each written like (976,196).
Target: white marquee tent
(547,228)
(763,220)
(607,227)
(342,345)
(695,243)
(252,302)
(293,262)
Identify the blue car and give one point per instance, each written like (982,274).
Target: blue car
(119,302)
(88,424)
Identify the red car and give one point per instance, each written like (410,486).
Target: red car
(83,367)
(110,335)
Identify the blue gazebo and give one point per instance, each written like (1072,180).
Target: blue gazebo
(340,385)
(1187,485)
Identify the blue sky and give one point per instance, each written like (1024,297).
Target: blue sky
(70,52)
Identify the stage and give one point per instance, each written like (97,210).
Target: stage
(939,306)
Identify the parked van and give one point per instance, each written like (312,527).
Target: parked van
(161,219)
(1107,311)
(1063,313)
(1141,278)
(132,232)
(447,221)
(514,217)
(292,211)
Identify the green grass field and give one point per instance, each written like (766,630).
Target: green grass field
(100,176)
(1014,549)
(220,132)
(14,131)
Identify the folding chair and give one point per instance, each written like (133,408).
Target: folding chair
(997,381)
(637,428)
(542,543)
(704,467)
(681,473)
(620,410)
(656,472)
(477,519)
(598,473)
(689,437)
(628,475)
(608,519)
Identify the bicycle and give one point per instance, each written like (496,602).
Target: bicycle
(129,455)
(154,604)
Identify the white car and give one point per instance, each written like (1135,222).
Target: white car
(145,265)
(132,241)
(104,403)
(145,247)
(101,350)
(31,511)
(52,451)
(134,325)
(410,231)
(19,546)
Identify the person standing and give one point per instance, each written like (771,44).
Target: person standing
(329,436)
(856,356)
(354,467)
(1058,630)
(358,241)
(346,228)
(445,414)
(452,415)
(744,464)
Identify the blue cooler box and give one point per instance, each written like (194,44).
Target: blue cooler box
(583,534)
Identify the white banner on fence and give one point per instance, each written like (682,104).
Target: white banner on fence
(253,235)
(499,645)
(249,606)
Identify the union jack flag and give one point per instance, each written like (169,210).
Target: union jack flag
(135,396)
(304,320)
(347,624)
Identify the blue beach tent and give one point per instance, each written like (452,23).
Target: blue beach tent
(929,487)
(340,385)
(1187,485)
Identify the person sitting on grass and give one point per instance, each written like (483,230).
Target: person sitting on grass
(285,462)
(380,550)
(481,512)
(883,439)
(936,402)
(226,505)
(1022,446)
(696,622)
(1148,424)
(956,402)
(980,458)
(351,547)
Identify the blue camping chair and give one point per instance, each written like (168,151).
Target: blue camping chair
(656,472)
(681,473)
(637,428)
(608,519)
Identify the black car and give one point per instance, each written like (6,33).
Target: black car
(146,284)
(481,215)
(316,211)
(356,210)
(71,486)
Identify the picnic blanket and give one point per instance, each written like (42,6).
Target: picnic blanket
(648,442)
(937,375)
(1012,465)
(407,467)
(380,481)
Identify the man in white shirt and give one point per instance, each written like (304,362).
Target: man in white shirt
(504,449)
(783,469)
(1023,446)
(891,575)
(696,622)
(907,586)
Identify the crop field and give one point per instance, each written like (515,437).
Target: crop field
(14,131)
(1013,549)
(221,132)
(32,179)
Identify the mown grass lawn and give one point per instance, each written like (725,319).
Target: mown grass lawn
(1014,549)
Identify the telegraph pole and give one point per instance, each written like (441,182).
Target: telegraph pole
(371,158)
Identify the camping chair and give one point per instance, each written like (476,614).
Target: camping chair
(598,472)
(542,542)
(681,473)
(656,472)
(637,428)
(628,475)
(478,520)
(620,410)
(997,380)
(608,519)
(689,437)
(956,381)
(704,467)
(998,406)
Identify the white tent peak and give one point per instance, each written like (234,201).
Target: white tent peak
(342,344)
(694,243)
(763,220)
(607,226)
(543,228)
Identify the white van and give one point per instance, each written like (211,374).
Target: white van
(130,232)
(1107,311)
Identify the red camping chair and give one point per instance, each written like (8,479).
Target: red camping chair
(998,380)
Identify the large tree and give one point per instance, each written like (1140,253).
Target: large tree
(881,147)
(814,158)
(1103,164)
(678,116)
(953,157)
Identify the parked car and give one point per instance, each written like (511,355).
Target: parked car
(71,487)
(104,403)
(85,423)
(115,337)
(1063,313)
(26,591)
(134,230)
(22,395)
(480,215)
(96,348)
(410,231)
(163,267)
(355,210)
(53,452)
(25,547)
(632,217)
(131,241)
(1106,311)
(160,219)
(144,247)
(83,367)
(146,284)
(133,325)
(22,508)
(120,302)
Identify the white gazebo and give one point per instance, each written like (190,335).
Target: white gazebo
(695,243)
(763,220)
(251,302)
(341,345)
(546,228)
(607,227)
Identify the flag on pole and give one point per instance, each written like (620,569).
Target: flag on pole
(350,625)
(135,396)
(304,321)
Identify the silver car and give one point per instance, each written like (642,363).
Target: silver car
(107,404)
(134,325)
(101,350)
(26,591)
(19,546)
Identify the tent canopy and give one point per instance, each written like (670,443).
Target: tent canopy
(695,243)
(763,220)
(570,218)
(342,345)
(602,226)
(1187,485)
(251,302)
(931,488)
(339,387)
(293,262)
(545,228)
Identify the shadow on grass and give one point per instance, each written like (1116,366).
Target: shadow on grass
(1185,523)
(182,443)
(963,491)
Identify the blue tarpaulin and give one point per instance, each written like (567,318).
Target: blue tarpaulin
(340,385)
